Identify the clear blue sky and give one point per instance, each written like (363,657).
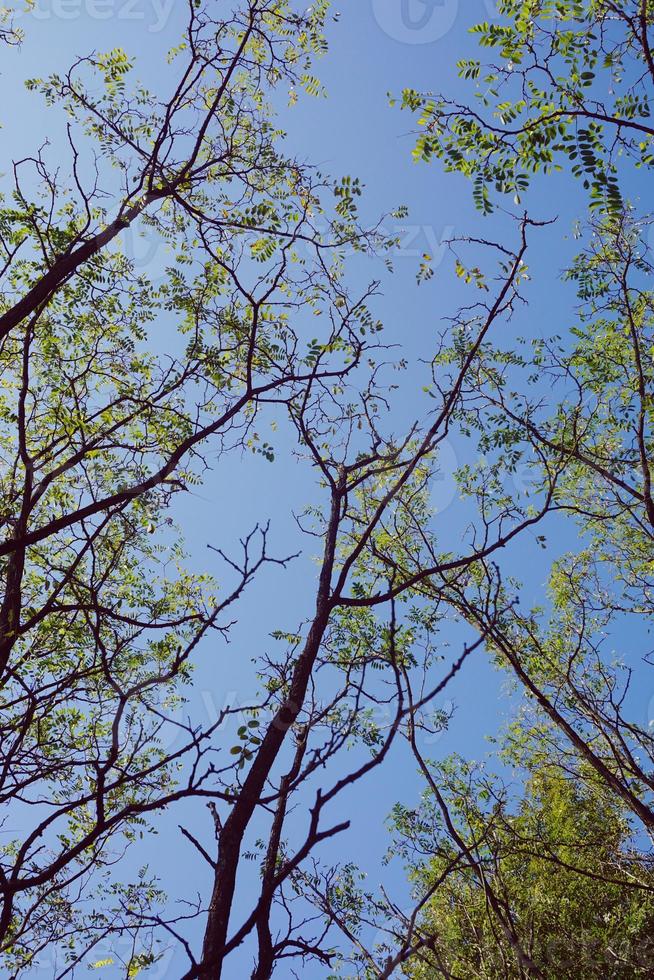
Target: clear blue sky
(377,46)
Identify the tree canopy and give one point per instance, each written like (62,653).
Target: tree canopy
(120,392)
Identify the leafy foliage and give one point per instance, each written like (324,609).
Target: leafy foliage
(542,106)
(560,858)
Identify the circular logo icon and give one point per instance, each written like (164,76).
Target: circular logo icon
(443,483)
(649,238)
(416,21)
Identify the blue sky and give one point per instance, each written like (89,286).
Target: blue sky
(377,46)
